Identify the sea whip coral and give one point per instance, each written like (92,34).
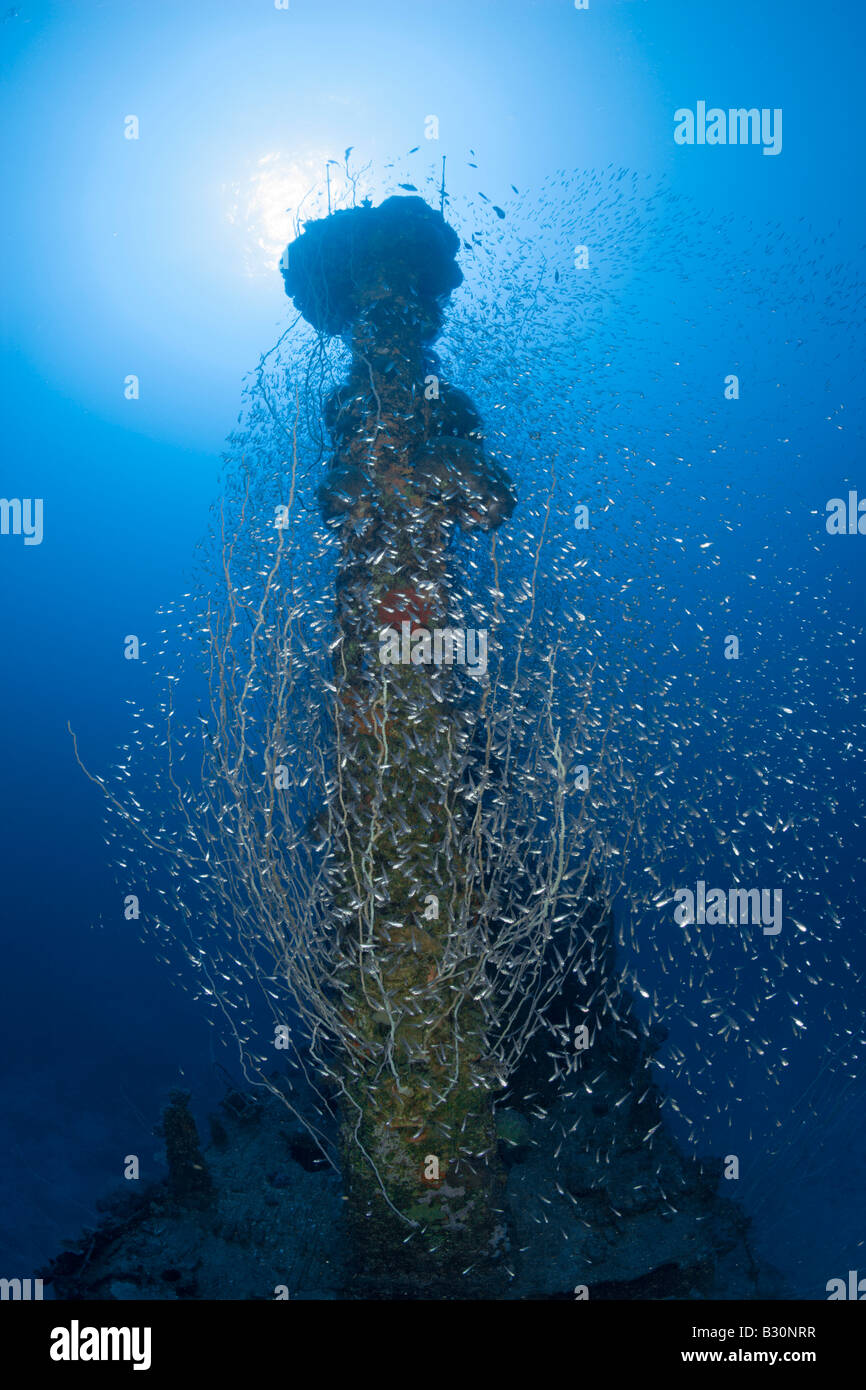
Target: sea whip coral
(419,1141)
(440,929)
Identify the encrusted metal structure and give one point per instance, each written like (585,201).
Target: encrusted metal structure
(419,1142)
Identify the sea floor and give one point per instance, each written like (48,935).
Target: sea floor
(267,1222)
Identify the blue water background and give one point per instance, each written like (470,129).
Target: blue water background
(120,257)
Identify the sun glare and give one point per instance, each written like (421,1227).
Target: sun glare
(281,191)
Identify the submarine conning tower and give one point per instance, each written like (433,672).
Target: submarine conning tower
(380,279)
(419,1148)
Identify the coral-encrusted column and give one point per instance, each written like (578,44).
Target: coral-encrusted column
(418,1135)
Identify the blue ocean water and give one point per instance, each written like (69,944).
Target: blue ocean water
(158,258)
